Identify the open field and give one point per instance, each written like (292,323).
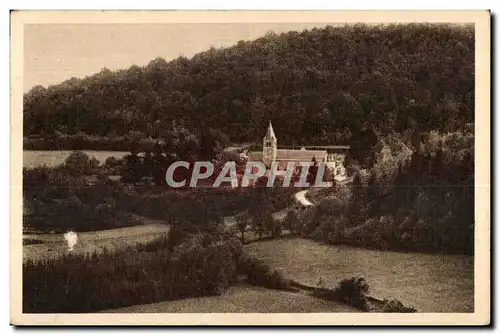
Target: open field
(54,245)
(243,299)
(32,158)
(430,283)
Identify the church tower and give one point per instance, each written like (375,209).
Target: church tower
(269,146)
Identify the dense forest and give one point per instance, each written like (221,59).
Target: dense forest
(335,85)
(415,197)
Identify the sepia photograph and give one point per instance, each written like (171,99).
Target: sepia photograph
(250,167)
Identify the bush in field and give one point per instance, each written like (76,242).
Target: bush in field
(113,165)
(259,273)
(353,291)
(272,227)
(396,306)
(146,274)
(175,236)
(276,229)
(241,224)
(292,222)
(262,223)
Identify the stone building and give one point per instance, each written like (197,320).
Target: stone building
(333,156)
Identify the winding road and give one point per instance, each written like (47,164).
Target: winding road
(301,198)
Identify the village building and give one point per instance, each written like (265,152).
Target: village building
(333,156)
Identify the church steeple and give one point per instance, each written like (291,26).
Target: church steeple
(270,131)
(269,146)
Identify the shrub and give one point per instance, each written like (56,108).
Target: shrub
(292,222)
(259,273)
(326,293)
(396,306)
(241,224)
(262,223)
(113,165)
(353,291)
(175,236)
(79,163)
(276,229)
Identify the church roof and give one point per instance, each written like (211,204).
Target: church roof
(299,155)
(255,156)
(287,155)
(270,131)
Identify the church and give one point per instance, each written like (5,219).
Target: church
(333,156)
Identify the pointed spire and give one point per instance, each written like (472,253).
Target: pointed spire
(270,131)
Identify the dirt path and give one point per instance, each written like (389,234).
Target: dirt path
(301,198)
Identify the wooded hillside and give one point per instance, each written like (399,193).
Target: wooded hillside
(333,85)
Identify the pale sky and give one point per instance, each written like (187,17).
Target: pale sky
(56,52)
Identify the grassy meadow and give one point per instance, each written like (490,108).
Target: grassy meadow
(430,283)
